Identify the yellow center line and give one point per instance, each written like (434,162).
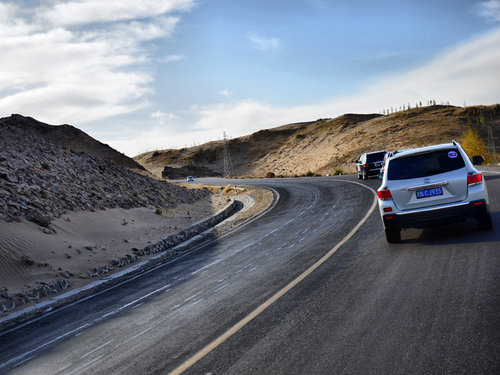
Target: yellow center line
(243,322)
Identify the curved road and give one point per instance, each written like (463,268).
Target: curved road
(257,301)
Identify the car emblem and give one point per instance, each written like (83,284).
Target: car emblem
(427,180)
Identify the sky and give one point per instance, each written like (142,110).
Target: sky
(156,74)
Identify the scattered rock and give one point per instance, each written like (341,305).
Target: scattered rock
(39,218)
(6,295)
(27,260)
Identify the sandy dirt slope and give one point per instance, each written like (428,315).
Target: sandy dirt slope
(324,145)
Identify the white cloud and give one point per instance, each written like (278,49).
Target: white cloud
(162,117)
(62,74)
(226,93)
(264,44)
(172,58)
(468,72)
(490,10)
(84,12)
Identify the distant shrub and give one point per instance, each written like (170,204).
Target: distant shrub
(270,175)
(474,144)
(338,171)
(159,211)
(309,174)
(227,189)
(46,166)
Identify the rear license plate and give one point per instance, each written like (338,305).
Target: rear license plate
(429,192)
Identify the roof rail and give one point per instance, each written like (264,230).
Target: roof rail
(454,142)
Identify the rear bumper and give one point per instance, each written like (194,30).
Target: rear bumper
(436,216)
(372,171)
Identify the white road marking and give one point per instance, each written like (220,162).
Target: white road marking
(196,302)
(220,288)
(96,349)
(145,321)
(26,360)
(139,304)
(243,322)
(205,267)
(15,359)
(190,298)
(273,231)
(84,365)
(139,334)
(64,368)
(302,239)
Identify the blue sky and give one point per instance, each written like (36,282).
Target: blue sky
(142,75)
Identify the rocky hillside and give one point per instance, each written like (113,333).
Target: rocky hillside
(71,138)
(324,145)
(42,178)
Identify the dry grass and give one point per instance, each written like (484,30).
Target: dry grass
(326,145)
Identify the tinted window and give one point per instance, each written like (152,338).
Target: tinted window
(376,156)
(425,164)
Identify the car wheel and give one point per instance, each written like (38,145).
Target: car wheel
(484,221)
(359,176)
(393,235)
(365,177)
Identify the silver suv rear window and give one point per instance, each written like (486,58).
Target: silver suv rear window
(422,165)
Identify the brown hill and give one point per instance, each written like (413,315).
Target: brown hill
(325,145)
(71,138)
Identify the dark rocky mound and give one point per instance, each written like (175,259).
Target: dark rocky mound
(72,138)
(41,180)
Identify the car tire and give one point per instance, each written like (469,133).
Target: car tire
(393,235)
(365,177)
(484,221)
(359,176)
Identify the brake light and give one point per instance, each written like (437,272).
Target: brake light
(365,165)
(474,179)
(387,209)
(384,194)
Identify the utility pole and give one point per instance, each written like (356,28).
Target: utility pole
(491,143)
(228,164)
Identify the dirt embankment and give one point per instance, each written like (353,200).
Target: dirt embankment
(325,145)
(65,213)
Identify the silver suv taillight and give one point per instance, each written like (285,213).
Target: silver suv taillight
(474,179)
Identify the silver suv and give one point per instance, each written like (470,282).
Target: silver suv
(429,186)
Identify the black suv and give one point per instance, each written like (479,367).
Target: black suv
(369,164)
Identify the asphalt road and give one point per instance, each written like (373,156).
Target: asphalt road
(280,296)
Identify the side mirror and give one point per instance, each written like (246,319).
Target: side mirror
(478,160)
